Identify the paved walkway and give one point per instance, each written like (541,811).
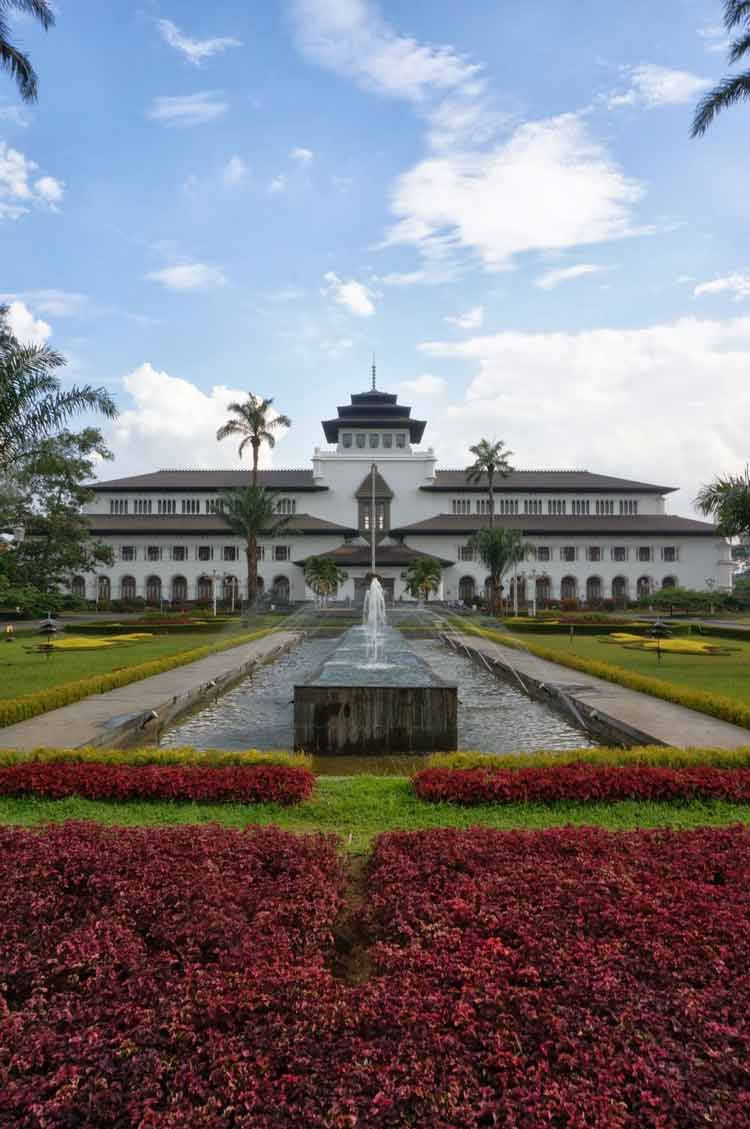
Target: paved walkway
(657,720)
(93,720)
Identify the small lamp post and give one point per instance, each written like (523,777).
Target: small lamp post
(659,631)
(710,582)
(533,592)
(48,629)
(214,578)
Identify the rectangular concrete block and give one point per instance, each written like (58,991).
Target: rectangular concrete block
(375,719)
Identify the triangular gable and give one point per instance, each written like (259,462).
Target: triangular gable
(382,489)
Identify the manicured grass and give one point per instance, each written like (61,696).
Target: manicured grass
(360,807)
(728,675)
(22,673)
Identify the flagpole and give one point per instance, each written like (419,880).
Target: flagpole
(374,471)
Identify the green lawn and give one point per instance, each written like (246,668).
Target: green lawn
(359,807)
(715,674)
(24,673)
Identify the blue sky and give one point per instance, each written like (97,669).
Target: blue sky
(501,200)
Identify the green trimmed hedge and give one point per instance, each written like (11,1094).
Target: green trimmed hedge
(723,632)
(151,754)
(636,628)
(660,756)
(714,704)
(31,705)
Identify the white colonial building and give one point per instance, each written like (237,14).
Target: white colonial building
(589,536)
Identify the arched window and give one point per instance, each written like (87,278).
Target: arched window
(127,588)
(153,590)
(78,587)
(467,589)
(643,587)
(179,590)
(521,589)
(543,590)
(104,588)
(230,589)
(280,592)
(568,588)
(205,589)
(620,588)
(669,582)
(593,590)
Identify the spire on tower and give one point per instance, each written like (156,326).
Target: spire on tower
(373,372)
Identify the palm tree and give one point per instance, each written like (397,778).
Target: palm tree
(324,576)
(251,513)
(490,459)
(256,426)
(423,576)
(14,61)
(727,500)
(499,550)
(33,404)
(734,88)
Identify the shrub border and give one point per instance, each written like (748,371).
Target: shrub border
(42,701)
(726,709)
(156,755)
(657,756)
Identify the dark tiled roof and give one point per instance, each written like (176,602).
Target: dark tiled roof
(394,555)
(212,480)
(528,481)
(642,526)
(179,524)
(382,489)
(374,410)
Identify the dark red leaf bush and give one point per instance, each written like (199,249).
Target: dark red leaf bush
(172,979)
(582,783)
(248,784)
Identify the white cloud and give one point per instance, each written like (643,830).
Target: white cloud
(652,86)
(351,38)
(235,172)
(353,295)
(189,109)
(16,115)
(424,387)
(336,347)
(691,372)
(194,50)
(302,156)
(549,187)
(173,421)
(553,278)
(27,328)
(277,184)
(189,276)
(55,303)
(472,319)
(18,191)
(737,284)
(715,38)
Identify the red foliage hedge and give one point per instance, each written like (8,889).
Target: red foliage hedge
(249,784)
(583,783)
(178,979)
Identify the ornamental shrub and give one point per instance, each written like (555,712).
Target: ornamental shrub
(582,783)
(242,784)
(660,755)
(159,755)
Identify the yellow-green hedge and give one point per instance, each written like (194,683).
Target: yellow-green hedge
(714,704)
(149,754)
(31,705)
(663,756)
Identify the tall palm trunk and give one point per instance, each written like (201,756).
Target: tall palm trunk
(256,452)
(492,601)
(252,569)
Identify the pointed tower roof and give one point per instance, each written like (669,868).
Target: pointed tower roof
(382,489)
(374,410)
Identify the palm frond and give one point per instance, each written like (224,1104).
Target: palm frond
(19,68)
(735,13)
(739,48)
(726,94)
(41,9)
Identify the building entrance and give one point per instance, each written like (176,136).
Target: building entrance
(361,585)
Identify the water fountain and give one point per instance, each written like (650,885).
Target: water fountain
(375,695)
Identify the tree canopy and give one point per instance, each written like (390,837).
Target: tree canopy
(324,576)
(254,422)
(251,513)
(423,577)
(727,501)
(490,460)
(12,59)
(499,549)
(736,87)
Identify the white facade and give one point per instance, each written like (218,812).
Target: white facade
(589,537)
